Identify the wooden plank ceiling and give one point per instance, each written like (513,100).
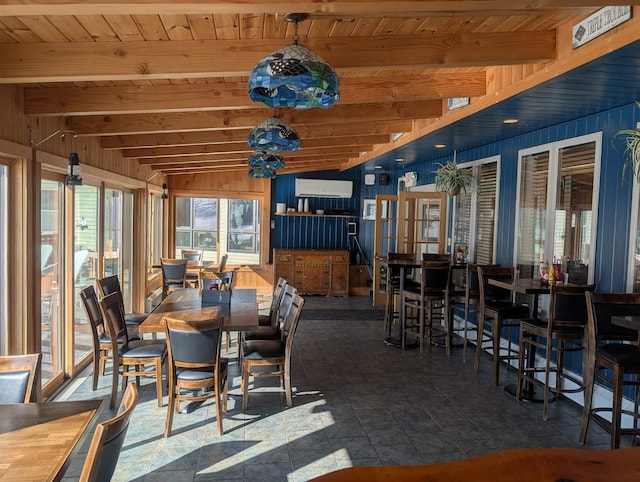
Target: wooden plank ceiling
(166,82)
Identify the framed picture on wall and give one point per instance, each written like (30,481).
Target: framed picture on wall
(369,210)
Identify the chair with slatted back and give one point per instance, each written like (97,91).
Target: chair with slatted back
(174,275)
(614,359)
(497,306)
(107,441)
(111,284)
(195,372)
(18,377)
(130,358)
(565,325)
(272,358)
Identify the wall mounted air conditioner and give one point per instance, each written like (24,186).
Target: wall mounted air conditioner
(323,188)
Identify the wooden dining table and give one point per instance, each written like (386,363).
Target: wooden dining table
(241,314)
(37,440)
(522,465)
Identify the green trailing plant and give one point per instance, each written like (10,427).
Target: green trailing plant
(451,179)
(632,150)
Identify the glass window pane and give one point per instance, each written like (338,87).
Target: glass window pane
(183,239)
(155,231)
(532,215)
(50,277)
(205,214)
(85,263)
(205,240)
(183,212)
(574,199)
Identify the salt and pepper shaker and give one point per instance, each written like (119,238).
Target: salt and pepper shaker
(306,205)
(300,205)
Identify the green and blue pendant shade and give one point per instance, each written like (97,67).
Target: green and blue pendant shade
(274,135)
(294,76)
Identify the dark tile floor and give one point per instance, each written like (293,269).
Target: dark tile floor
(357,402)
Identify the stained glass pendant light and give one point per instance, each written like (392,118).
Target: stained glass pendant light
(274,135)
(294,76)
(267,159)
(262,173)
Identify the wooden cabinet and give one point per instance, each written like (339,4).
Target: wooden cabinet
(313,272)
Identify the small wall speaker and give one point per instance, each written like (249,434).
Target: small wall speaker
(383,179)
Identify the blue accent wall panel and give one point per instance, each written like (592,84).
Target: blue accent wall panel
(612,239)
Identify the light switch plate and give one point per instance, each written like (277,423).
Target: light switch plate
(369,179)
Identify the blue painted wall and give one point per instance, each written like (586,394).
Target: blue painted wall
(612,246)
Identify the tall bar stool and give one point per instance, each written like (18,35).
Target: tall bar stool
(566,325)
(613,358)
(393,289)
(468,301)
(431,302)
(496,304)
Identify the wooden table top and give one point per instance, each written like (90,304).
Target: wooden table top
(522,286)
(186,304)
(523,465)
(37,440)
(630,321)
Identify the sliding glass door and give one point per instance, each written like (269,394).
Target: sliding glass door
(51,277)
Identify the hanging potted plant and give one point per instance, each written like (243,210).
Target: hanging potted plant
(451,179)
(632,151)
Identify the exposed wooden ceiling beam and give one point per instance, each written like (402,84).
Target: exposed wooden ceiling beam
(239,162)
(339,151)
(212,120)
(220,96)
(95,61)
(306,144)
(237,135)
(340,8)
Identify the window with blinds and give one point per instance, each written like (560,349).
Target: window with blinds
(474,215)
(555,212)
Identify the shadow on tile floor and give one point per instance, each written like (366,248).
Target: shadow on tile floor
(357,402)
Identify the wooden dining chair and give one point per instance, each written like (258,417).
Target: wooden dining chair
(497,306)
(272,358)
(174,275)
(100,336)
(195,370)
(108,439)
(130,358)
(278,291)
(18,377)
(111,284)
(562,332)
(613,359)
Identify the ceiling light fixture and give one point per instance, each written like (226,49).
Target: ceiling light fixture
(399,159)
(440,146)
(263,164)
(510,121)
(294,76)
(274,134)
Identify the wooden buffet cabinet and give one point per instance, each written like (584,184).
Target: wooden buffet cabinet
(312,271)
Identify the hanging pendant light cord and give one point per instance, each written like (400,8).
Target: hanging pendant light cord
(295,32)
